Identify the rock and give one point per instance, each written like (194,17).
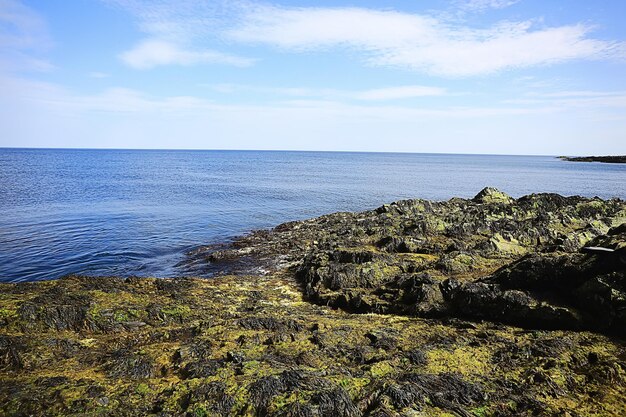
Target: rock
(490,195)
(422,294)
(542,280)
(490,302)
(510,246)
(437,287)
(102,401)
(615,159)
(402,245)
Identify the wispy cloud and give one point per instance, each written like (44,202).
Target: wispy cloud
(21,27)
(483,5)
(125,100)
(182,21)
(420,42)
(402,92)
(377,94)
(23,38)
(177,33)
(152,53)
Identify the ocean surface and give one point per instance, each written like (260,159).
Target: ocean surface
(136,212)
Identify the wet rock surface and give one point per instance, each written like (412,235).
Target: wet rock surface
(486,307)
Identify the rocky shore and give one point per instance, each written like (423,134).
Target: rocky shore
(621,159)
(492,306)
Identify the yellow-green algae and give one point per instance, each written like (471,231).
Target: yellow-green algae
(86,370)
(252,345)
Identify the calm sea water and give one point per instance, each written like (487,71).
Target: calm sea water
(118,212)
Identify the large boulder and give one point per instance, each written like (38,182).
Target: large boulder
(490,195)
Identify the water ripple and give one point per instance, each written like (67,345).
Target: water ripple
(138,212)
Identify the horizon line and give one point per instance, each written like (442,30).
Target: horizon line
(277,150)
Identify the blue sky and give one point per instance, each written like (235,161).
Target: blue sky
(459,76)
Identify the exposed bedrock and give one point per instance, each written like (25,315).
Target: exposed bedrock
(541,261)
(447,273)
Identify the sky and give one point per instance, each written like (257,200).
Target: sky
(531,77)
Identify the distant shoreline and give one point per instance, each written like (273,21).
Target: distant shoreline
(616,159)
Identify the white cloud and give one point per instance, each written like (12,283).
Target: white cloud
(394,93)
(377,94)
(482,5)
(314,28)
(23,38)
(421,43)
(178,33)
(182,21)
(152,53)
(21,27)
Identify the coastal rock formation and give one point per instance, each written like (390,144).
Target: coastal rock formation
(491,257)
(554,290)
(613,159)
(491,306)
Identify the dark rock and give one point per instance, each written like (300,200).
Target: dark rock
(352,257)
(235,357)
(615,159)
(488,301)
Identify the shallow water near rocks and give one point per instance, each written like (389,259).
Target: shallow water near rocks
(126,212)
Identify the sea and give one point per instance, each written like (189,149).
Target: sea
(138,212)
